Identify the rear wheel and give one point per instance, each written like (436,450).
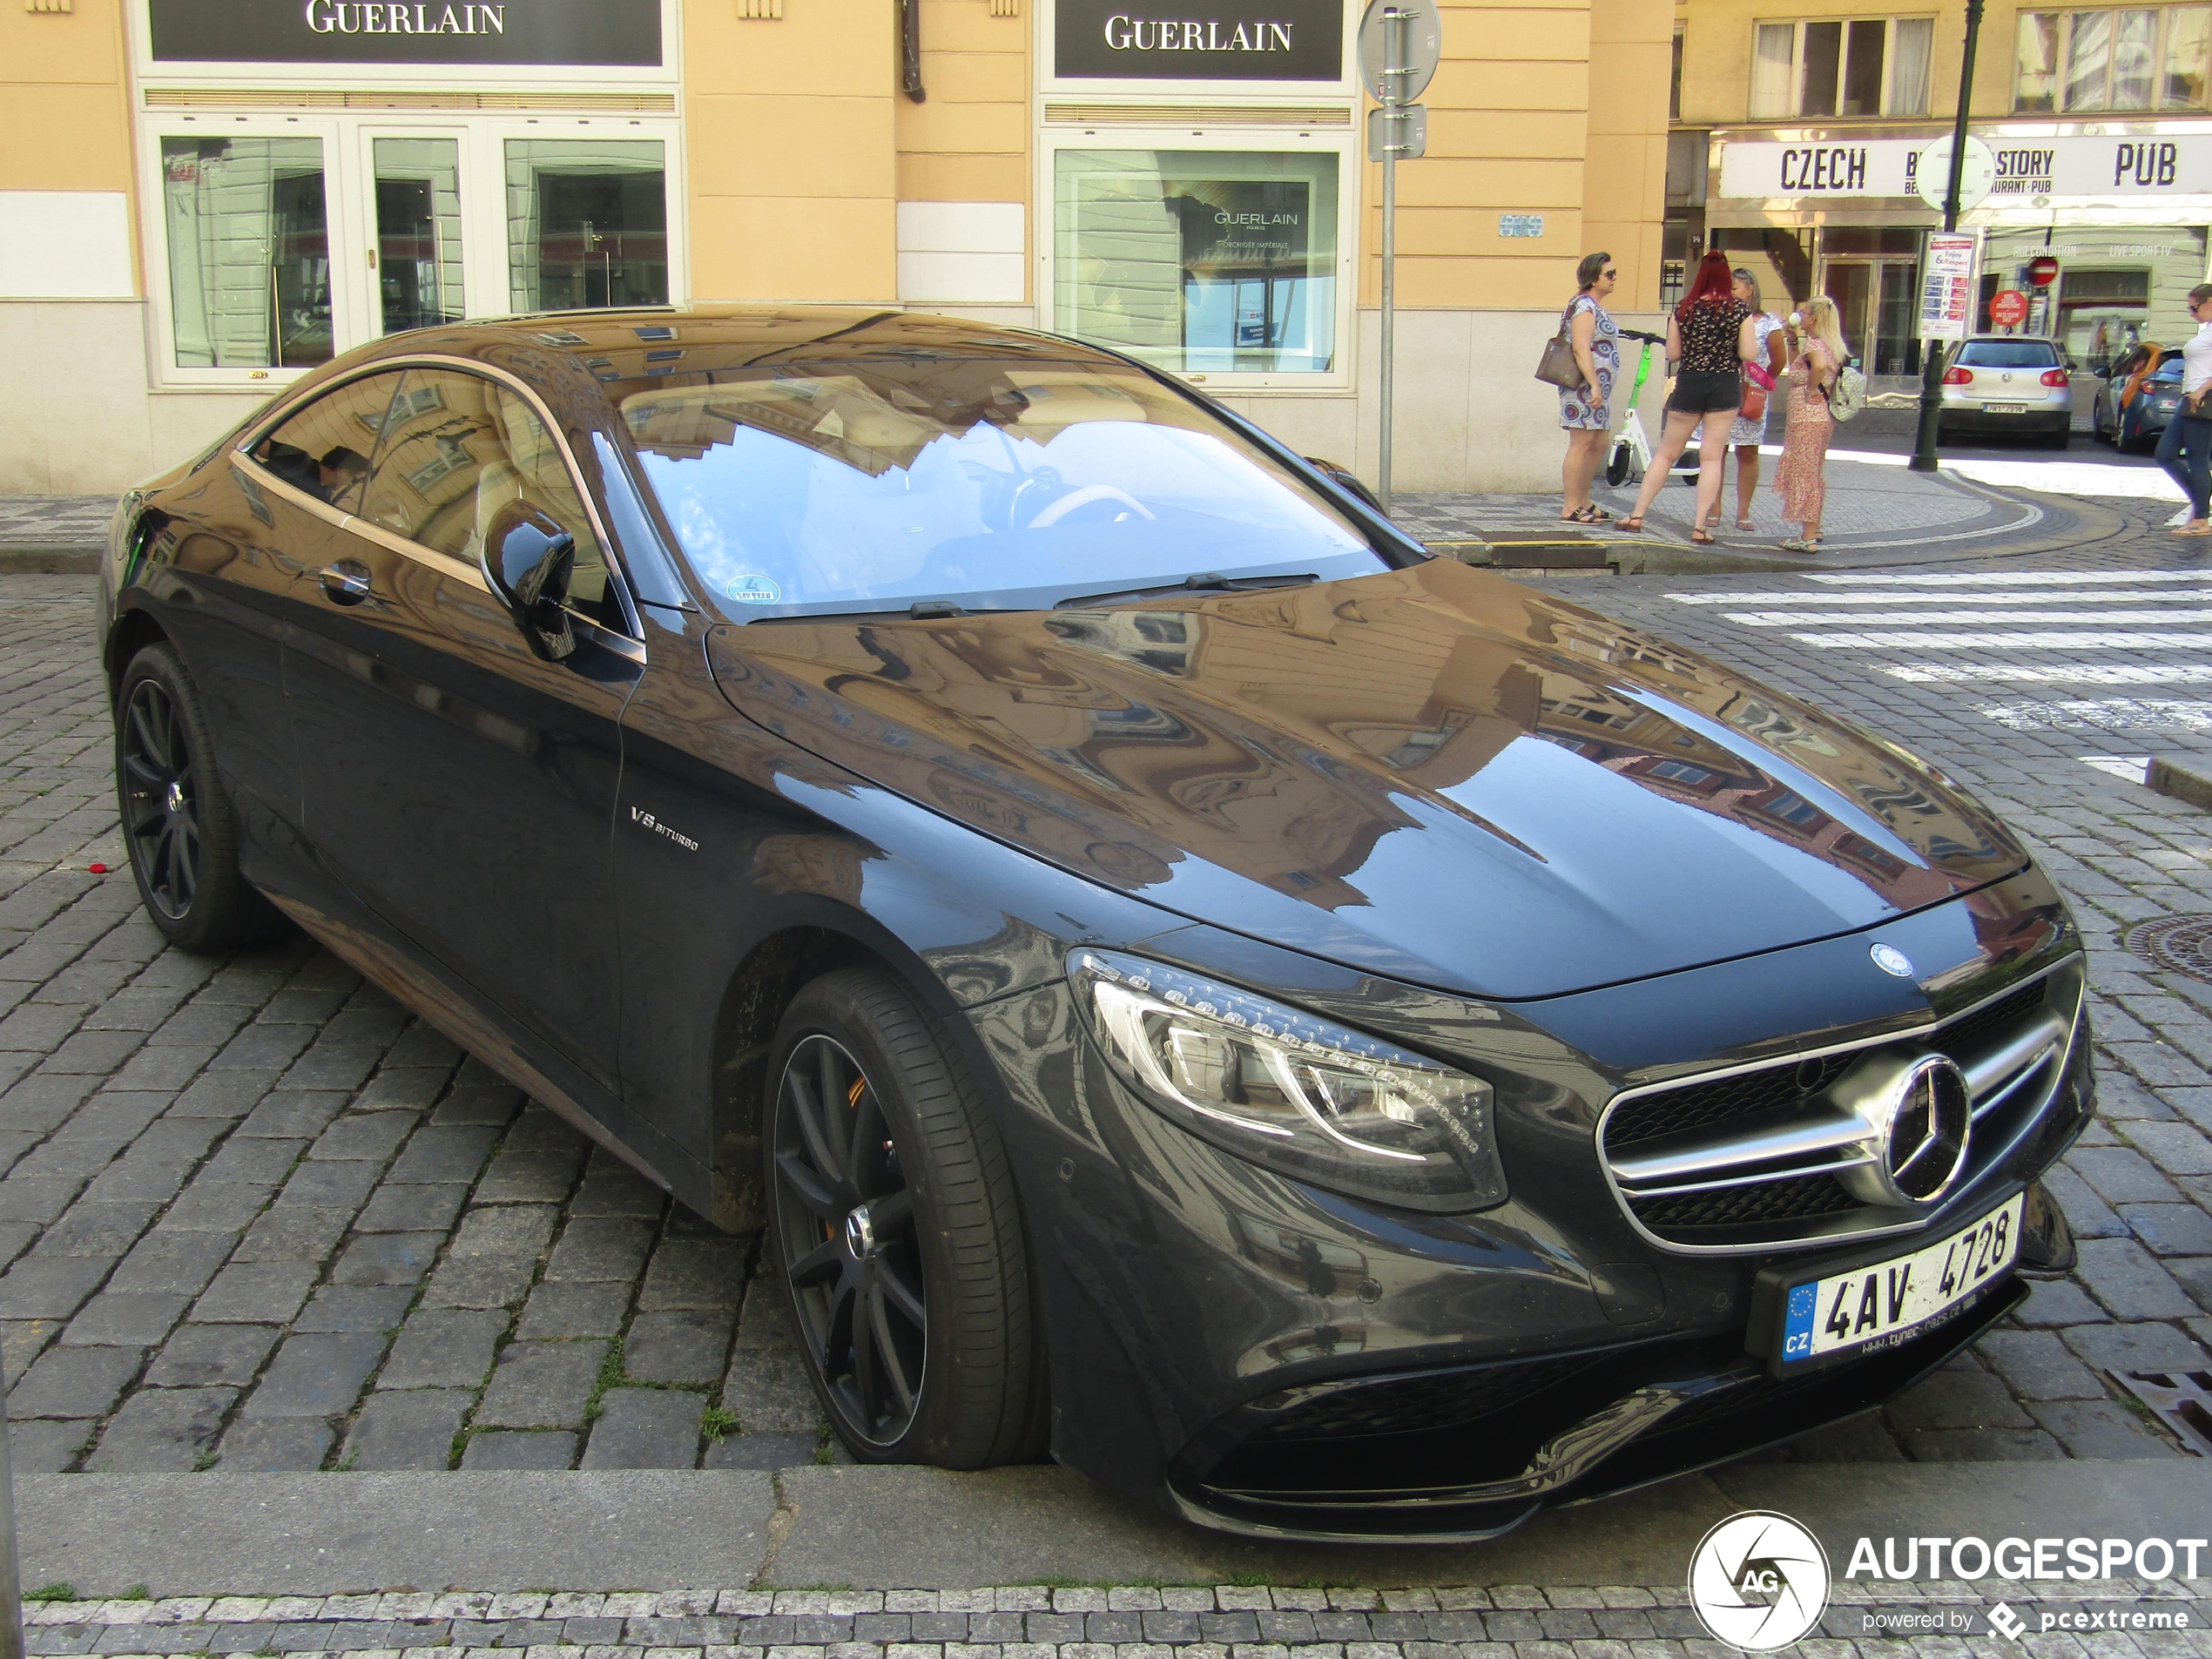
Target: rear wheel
(177,820)
(894,1223)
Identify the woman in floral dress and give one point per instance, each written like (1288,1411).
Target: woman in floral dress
(1802,478)
(1586,412)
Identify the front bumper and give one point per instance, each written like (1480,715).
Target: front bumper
(1265,1357)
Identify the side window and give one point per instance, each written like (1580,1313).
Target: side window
(325,448)
(459,448)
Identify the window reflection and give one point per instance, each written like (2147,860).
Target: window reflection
(249,252)
(587,223)
(418,232)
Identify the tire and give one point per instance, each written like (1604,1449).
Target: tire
(177,821)
(1617,465)
(893,1213)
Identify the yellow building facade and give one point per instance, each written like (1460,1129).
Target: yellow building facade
(1797,130)
(202,200)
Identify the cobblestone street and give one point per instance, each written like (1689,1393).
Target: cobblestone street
(1042,1622)
(256,1217)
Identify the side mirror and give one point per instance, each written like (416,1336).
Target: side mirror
(529,559)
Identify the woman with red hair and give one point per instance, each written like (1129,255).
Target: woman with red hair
(1709,338)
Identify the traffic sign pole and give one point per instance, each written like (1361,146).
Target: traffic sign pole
(1392,76)
(1924,443)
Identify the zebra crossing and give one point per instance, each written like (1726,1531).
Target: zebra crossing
(2059,636)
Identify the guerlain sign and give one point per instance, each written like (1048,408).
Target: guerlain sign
(1216,40)
(472,32)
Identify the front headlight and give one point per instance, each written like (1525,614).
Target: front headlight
(1292,1091)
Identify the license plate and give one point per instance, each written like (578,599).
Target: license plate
(2003,408)
(1879,1306)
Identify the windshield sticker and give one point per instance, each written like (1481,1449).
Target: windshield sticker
(752,590)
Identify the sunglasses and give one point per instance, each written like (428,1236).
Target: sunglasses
(1610,272)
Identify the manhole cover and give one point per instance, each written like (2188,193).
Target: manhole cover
(2178,944)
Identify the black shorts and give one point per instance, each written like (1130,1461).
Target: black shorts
(1707,393)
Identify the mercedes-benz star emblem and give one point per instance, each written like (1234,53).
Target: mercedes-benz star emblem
(1925,1146)
(1758,1581)
(1891,961)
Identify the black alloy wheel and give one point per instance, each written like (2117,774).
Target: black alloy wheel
(848,1237)
(894,1220)
(160,799)
(177,821)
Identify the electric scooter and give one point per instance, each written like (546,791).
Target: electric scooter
(1631,456)
(1631,446)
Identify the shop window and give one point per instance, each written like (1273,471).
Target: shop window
(1674,91)
(418,232)
(249,252)
(1199,261)
(2139,58)
(1851,69)
(587,223)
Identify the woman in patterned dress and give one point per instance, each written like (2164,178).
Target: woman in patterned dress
(1802,477)
(1586,412)
(1746,436)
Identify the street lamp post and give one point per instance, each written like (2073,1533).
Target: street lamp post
(1924,445)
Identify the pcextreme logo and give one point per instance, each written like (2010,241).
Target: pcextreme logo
(1758,1581)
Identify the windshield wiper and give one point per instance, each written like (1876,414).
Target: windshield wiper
(1205,582)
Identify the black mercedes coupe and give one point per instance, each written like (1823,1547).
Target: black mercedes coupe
(1315,1036)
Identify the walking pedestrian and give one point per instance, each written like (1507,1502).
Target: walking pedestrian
(1750,431)
(1816,358)
(1709,337)
(2186,451)
(1586,411)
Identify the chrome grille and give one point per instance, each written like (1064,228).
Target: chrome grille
(1783,1152)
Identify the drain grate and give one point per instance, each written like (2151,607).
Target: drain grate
(2182,1401)
(2178,944)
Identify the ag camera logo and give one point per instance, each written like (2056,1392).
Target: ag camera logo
(1758,1581)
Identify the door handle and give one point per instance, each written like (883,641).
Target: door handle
(346,582)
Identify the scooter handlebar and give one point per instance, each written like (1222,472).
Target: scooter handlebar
(1638,334)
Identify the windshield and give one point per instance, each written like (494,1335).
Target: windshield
(2008,353)
(986,483)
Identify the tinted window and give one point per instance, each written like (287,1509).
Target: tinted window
(2008,353)
(326,448)
(988,481)
(458,448)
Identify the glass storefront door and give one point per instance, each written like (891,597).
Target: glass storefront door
(587,223)
(247,223)
(283,248)
(1876,301)
(420,276)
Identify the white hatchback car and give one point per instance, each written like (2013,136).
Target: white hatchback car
(2010,383)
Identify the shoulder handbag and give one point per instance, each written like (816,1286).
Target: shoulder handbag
(1557,366)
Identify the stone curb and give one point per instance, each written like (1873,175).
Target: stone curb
(608,1530)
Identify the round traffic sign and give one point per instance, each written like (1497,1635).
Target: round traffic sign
(2007,308)
(1420,44)
(1932,174)
(2043,270)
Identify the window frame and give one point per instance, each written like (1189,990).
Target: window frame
(349,198)
(1795,112)
(630,642)
(2062,53)
(1343,142)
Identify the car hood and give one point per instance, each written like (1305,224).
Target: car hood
(1431,774)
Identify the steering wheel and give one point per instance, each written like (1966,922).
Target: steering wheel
(1056,511)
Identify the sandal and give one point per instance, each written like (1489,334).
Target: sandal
(1743,523)
(1701,536)
(1633,524)
(1594,515)
(1799,544)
